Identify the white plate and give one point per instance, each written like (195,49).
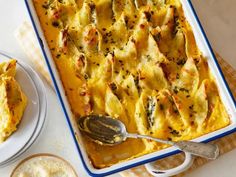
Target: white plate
(43,111)
(27,127)
(32,140)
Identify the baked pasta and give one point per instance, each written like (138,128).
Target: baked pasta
(134,60)
(12,100)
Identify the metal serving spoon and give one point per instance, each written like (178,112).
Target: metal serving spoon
(106,130)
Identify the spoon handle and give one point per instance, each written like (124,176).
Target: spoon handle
(209,151)
(131,135)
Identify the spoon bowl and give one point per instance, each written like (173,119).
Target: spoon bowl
(104,130)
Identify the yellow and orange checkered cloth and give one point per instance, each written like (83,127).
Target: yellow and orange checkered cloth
(26,38)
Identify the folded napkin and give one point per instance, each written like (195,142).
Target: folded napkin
(27,40)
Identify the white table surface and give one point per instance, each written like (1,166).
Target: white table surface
(219,20)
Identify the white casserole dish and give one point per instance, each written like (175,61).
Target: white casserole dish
(207,51)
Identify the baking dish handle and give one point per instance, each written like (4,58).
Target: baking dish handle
(173,171)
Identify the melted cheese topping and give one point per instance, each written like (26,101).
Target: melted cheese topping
(137,61)
(12,100)
(44,166)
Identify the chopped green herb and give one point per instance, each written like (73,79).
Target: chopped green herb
(161,107)
(58,55)
(157,37)
(191,107)
(175,90)
(46,6)
(181,62)
(86,76)
(170,128)
(175,133)
(175,110)
(149,58)
(177,76)
(184,90)
(150,109)
(126,20)
(113,86)
(55,24)
(148,16)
